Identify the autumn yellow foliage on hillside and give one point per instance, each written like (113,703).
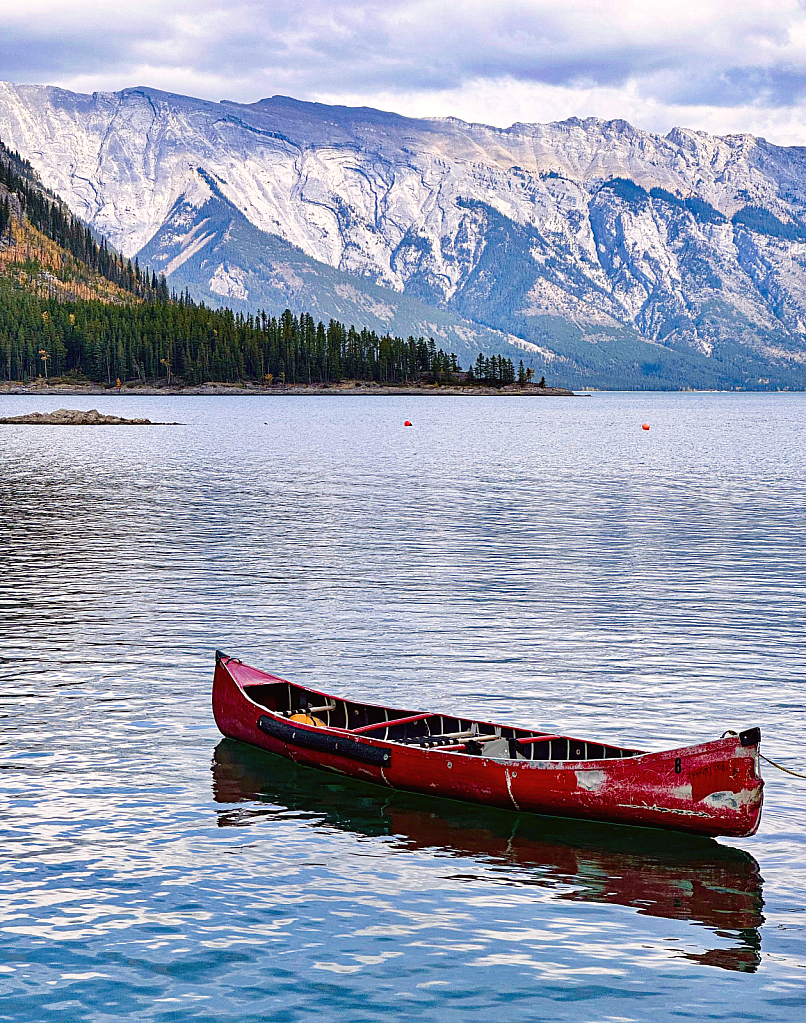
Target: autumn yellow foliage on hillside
(38,265)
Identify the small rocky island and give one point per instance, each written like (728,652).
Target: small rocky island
(75,417)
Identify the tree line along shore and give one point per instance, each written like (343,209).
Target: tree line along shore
(178,343)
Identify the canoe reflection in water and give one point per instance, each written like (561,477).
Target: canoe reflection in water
(659,874)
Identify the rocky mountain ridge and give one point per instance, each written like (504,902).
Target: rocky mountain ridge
(615,255)
(207,246)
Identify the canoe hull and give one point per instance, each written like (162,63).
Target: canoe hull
(710,789)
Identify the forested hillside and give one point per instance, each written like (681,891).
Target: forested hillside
(25,202)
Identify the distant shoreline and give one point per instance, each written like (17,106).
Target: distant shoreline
(312,390)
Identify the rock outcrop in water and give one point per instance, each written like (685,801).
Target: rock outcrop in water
(75,417)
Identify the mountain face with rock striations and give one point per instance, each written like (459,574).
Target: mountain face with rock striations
(611,255)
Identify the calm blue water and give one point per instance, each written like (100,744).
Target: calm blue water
(544,562)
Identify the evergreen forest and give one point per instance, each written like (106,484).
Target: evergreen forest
(181,342)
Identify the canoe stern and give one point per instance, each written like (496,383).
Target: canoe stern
(714,788)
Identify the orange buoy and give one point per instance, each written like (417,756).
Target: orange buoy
(644,426)
(407,423)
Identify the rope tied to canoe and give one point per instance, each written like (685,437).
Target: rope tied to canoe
(780,767)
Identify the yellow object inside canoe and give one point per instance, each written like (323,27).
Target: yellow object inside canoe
(303,718)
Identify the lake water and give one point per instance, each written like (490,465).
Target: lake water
(544,562)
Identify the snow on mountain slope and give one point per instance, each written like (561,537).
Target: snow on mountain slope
(565,234)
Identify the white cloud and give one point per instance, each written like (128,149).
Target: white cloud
(710,65)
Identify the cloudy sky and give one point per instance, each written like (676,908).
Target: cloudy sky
(719,66)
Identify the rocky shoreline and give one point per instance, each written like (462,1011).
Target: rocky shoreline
(348,389)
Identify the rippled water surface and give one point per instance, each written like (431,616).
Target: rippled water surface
(543,562)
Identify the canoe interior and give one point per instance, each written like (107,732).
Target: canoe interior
(431,730)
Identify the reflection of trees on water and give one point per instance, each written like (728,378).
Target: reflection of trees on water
(659,874)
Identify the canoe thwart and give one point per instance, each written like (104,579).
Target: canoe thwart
(378,725)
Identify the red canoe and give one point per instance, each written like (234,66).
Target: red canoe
(712,789)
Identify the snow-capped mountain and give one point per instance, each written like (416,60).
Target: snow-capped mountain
(679,258)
